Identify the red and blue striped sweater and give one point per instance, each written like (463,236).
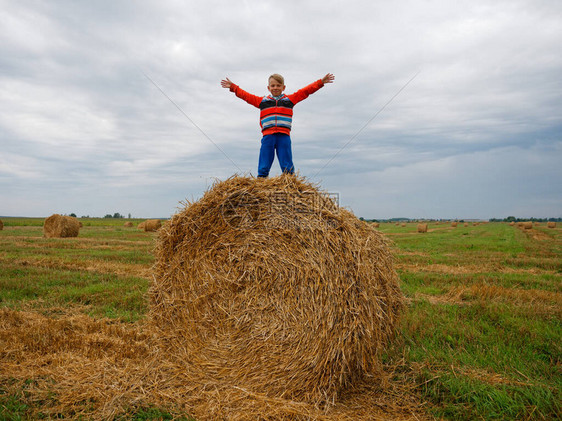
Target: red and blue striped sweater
(276,115)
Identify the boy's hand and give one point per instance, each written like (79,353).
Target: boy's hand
(329,78)
(226,83)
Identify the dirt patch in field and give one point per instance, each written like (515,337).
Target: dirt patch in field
(469,269)
(544,303)
(535,234)
(409,253)
(101,369)
(116,268)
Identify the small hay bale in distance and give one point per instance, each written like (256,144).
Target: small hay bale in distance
(267,285)
(61,226)
(454,224)
(551,224)
(128,224)
(152,225)
(376,225)
(1,225)
(422,227)
(527,225)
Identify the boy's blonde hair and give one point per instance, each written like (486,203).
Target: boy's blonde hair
(277,77)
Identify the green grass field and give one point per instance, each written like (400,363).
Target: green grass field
(481,336)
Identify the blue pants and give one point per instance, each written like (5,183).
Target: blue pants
(270,143)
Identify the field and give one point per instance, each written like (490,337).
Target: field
(481,337)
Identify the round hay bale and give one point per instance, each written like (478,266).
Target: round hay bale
(376,225)
(141,225)
(1,225)
(527,225)
(454,224)
(61,226)
(551,224)
(422,227)
(128,224)
(152,225)
(511,223)
(266,284)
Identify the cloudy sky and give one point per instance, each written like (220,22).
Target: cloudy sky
(440,109)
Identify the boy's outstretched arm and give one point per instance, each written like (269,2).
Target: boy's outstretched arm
(329,78)
(240,93)
(310,89)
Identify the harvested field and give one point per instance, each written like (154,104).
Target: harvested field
(76,342)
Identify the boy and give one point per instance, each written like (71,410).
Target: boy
(276,118)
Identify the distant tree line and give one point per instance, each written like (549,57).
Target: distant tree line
(410,220)
(508,219)
(514,219)
(115,215)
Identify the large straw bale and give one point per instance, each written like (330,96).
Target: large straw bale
(528,225)
(268,286)
(422,227)
(551,224)
(152,224)
(141,225)
(61,226)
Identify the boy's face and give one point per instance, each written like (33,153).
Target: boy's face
(276,88)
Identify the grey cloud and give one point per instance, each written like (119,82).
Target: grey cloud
(76,106)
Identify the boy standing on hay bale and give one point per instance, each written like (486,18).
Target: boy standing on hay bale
(276,116)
